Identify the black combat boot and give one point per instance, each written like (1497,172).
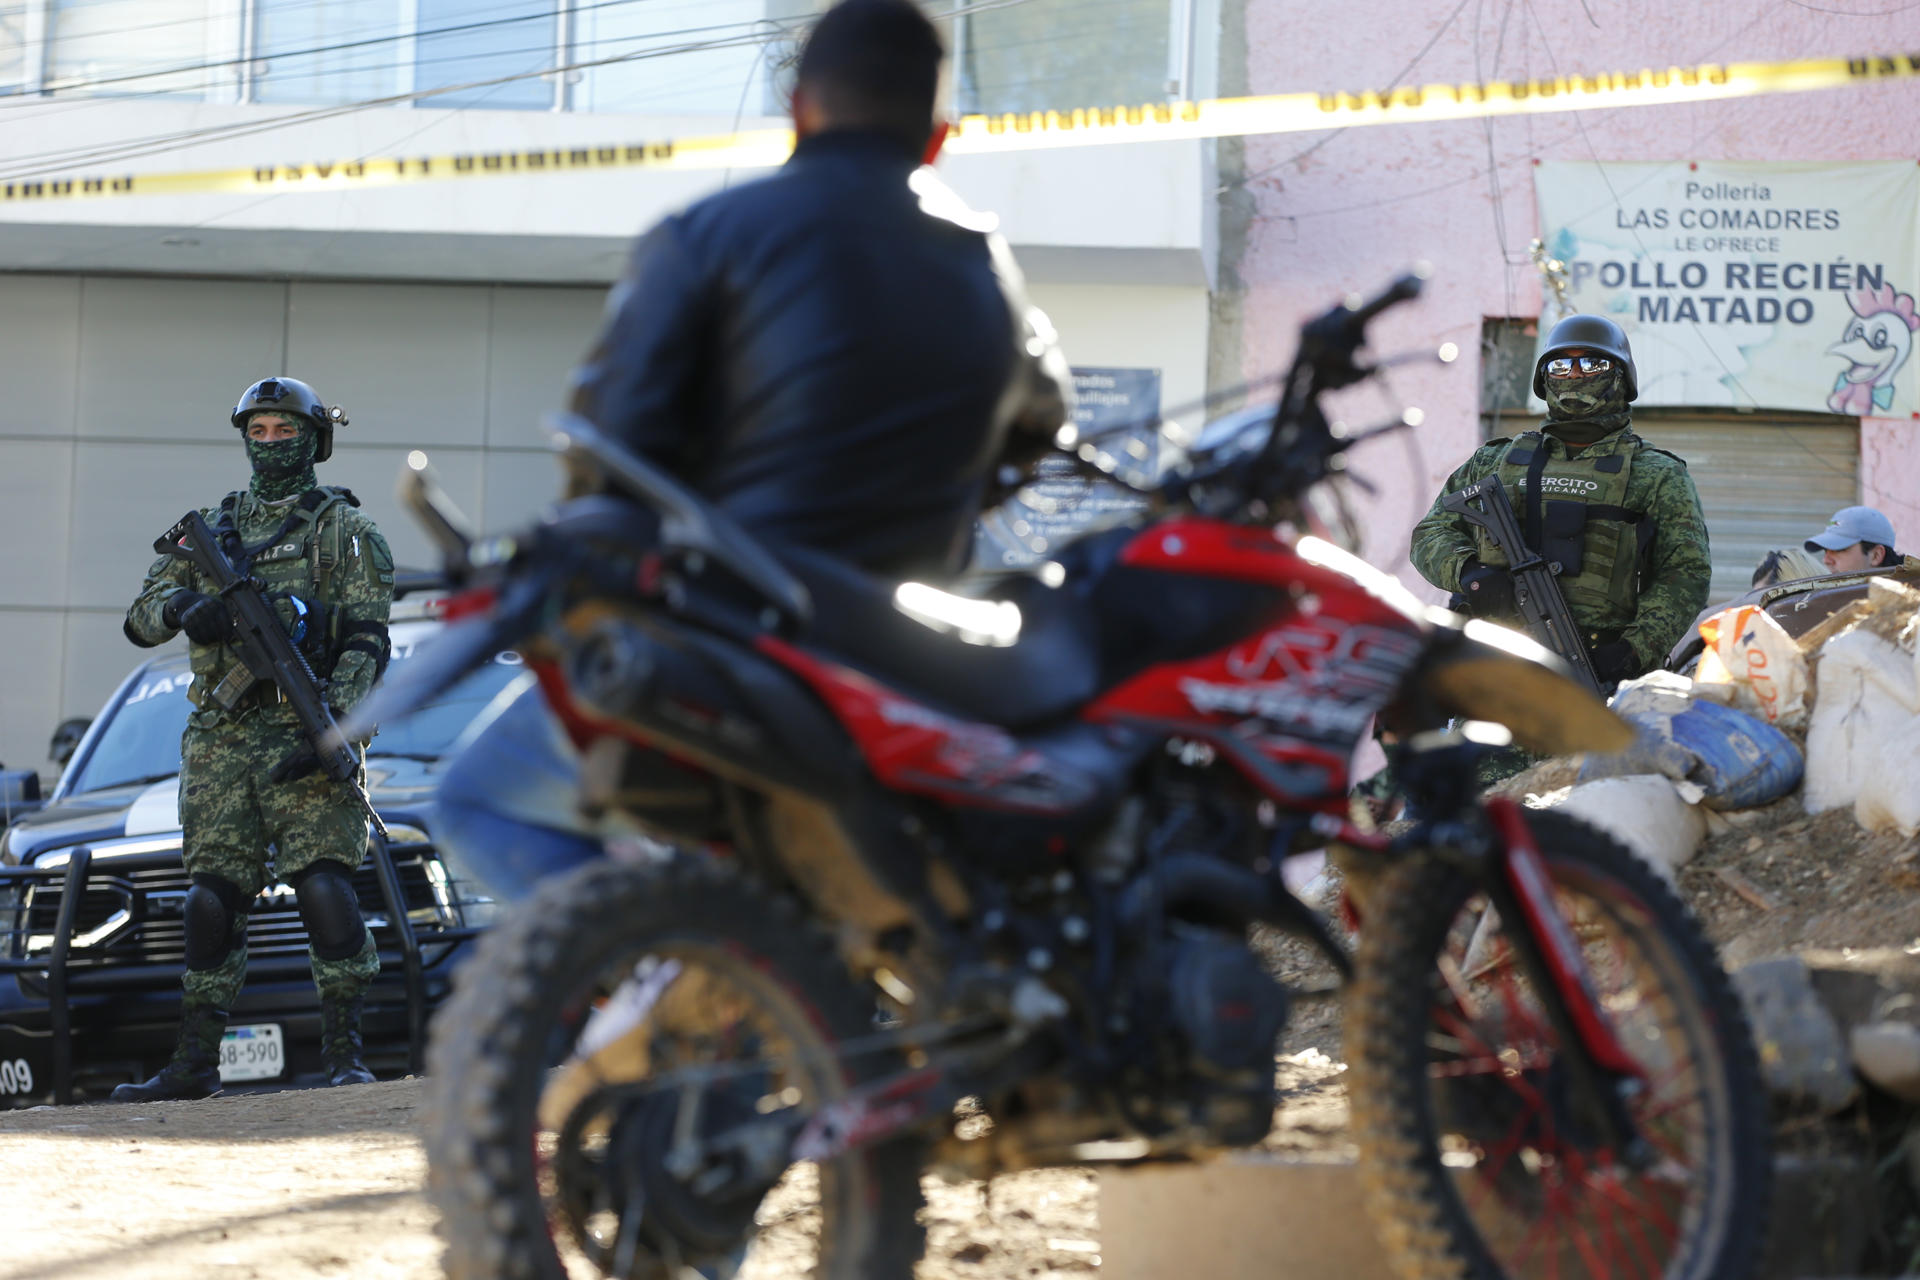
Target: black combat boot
(340,1041)
(194,1070)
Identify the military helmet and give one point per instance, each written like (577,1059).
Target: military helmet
(291,396)
(1586,333)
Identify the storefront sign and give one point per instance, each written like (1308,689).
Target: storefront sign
(1062,501)
(1772,286)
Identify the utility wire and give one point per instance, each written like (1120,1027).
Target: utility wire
(1330,135)
(281,7)
(69,86)
(111,153)
(208,132)
(50,102)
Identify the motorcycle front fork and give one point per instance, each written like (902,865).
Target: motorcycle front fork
(1503,858)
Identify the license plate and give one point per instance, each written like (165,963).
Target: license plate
(253,1052)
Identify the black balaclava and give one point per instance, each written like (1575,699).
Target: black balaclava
(284,468)
(1582,410)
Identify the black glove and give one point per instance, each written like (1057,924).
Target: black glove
(1615,661)
(1488,591)
(204,619)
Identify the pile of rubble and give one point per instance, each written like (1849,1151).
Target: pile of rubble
(1779,788)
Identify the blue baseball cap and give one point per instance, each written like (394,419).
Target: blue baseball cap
(1850,525)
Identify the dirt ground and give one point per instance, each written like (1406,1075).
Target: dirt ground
(327,1183)
(1781,880)
(1776,879)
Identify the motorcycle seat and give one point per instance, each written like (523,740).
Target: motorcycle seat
(1050,671)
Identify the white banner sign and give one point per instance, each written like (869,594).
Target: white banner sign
(1770,286)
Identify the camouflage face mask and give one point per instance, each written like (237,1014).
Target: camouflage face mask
(283,468)
(1583,410)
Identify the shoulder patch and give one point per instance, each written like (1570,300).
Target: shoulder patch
(1651,448)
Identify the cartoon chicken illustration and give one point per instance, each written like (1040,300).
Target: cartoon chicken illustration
(1876,344)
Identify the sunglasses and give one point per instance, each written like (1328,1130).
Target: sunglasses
(1569,366)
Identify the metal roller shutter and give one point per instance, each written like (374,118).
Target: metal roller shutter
(1765,481)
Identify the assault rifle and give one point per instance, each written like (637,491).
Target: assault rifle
(1542,608)
(265,652)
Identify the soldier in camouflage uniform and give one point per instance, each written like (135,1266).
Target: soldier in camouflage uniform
(330,575)
(1620,517)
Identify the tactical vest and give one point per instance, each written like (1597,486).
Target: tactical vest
(1573,511)
(300,560)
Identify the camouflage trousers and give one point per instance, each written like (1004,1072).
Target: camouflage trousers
(248,830)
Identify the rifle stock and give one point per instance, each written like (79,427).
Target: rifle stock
(1536,591)
(263,647)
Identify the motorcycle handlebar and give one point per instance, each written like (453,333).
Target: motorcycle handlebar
(1404,289)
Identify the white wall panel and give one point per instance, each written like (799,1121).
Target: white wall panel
(538,336)
(407,362)
(125,496)
(518,486)
(167,359)
(39,349)
(36,501)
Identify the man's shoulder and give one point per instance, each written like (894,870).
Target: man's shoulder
(1489,455)
(343,505)
(1653,457)
(757,199)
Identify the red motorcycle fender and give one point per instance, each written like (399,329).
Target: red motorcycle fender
(1526,874)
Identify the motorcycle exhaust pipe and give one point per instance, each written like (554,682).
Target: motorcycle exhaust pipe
(1232,893)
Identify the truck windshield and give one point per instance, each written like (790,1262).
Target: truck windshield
(140,742)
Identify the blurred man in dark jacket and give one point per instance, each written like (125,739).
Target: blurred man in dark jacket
(840,355)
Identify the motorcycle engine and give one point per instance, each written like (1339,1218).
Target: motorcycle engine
(1230,1013)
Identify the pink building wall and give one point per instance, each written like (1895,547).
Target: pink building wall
(1343,210)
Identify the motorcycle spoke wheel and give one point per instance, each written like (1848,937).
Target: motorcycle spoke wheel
(1479,1158)
(620,1072)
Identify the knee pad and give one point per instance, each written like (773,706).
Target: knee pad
(209,909)
(330,910)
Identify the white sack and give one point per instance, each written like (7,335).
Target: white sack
(1647,813)
(1863,740)
(1749,650)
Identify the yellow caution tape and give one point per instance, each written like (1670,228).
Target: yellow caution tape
(1079,127)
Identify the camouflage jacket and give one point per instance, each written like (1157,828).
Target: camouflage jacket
(334,557)
(1678,571)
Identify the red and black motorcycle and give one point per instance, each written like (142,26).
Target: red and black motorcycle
(945,883)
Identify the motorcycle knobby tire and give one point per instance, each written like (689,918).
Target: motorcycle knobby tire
(487,1059)
(1414,1202)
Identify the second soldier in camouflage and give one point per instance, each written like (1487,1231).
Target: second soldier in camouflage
(1621,518)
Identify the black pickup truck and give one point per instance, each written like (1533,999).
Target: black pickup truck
(92,888)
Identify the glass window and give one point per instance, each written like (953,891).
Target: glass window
(731,79)
(499,39)
(13,41)
(113,46)
(1064,53)
(140,742)
(285,29)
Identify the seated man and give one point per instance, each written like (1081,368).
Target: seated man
(1856,539)
(1786,564)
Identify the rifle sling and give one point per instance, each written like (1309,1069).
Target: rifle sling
(1535,526)
(239,554)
